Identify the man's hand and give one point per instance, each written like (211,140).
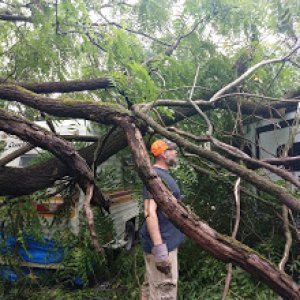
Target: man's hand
(161,257)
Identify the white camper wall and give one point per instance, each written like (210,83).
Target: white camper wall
(63,127)
(270,135)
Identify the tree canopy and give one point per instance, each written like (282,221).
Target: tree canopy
(140,68)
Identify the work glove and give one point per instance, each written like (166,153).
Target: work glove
(161,258)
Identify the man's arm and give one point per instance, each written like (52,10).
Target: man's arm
(159,250)
(150,207)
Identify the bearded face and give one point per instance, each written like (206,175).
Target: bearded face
(171,157)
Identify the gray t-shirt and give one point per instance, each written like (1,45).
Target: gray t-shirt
(170,234)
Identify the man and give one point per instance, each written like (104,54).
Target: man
(159,237)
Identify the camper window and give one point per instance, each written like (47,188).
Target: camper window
(25,159)
(293,151)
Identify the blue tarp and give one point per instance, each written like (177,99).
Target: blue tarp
(42,252)
(8,274)
(7,244)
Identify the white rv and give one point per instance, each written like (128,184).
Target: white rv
(267,138)
(124,210)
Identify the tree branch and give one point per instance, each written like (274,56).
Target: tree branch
(90,217)
(95,111)
(288,238)
(65,86)
(15,18)
(236,192)
(255,162)
(13,155)
(173,47)
(197,108)
(263,109)
(252,70)
(169,51)
(130,30)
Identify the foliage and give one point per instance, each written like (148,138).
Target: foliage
(80,261)
(202,277)
(154,14)
(20,216)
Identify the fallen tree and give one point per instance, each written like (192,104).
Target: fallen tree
(224,248)
(138,85)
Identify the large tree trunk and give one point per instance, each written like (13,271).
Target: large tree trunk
(30,179)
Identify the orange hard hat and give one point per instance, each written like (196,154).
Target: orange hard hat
(160,146)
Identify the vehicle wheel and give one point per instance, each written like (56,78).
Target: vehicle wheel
(129,235)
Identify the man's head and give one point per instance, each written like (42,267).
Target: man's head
(165,151)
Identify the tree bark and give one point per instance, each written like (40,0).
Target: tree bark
(65,86)
(94,111)
(15,18)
